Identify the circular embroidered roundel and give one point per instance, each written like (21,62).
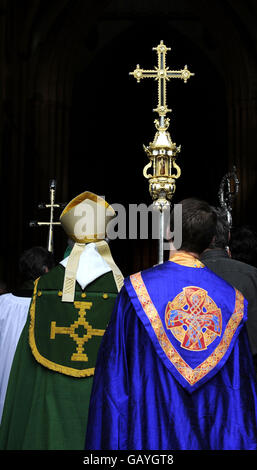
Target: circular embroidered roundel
(193,318)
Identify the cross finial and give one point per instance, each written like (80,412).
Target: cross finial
(162,74)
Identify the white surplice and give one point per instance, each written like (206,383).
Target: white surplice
(13,316)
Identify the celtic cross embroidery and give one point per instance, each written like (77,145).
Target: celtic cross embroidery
(193,318)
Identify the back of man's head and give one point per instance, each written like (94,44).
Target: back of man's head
(198,225)
(243,245)
(35,262)
(222,232)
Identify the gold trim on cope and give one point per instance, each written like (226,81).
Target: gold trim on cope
(185,259)
(191,375)
(42,360)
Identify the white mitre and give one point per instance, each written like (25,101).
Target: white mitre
(85,220)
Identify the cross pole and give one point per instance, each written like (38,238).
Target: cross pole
(51,223)
(162,151)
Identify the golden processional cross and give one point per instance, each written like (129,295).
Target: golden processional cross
(162,74)
(162,151)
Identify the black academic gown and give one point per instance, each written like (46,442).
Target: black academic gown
(244,278)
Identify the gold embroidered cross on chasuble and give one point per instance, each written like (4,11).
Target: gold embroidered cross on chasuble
(65,336)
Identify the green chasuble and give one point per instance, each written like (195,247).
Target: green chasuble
(48,394)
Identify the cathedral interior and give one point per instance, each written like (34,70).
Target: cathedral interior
(70,111)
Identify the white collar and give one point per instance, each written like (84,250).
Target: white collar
(91,265)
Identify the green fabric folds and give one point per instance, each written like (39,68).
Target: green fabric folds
(45,409)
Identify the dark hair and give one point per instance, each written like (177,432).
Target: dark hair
(243,245)
(3,287)
(33,262)
(198,225)
(221,238)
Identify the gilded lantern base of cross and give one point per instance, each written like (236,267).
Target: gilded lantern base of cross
(162,153)
(162,190)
